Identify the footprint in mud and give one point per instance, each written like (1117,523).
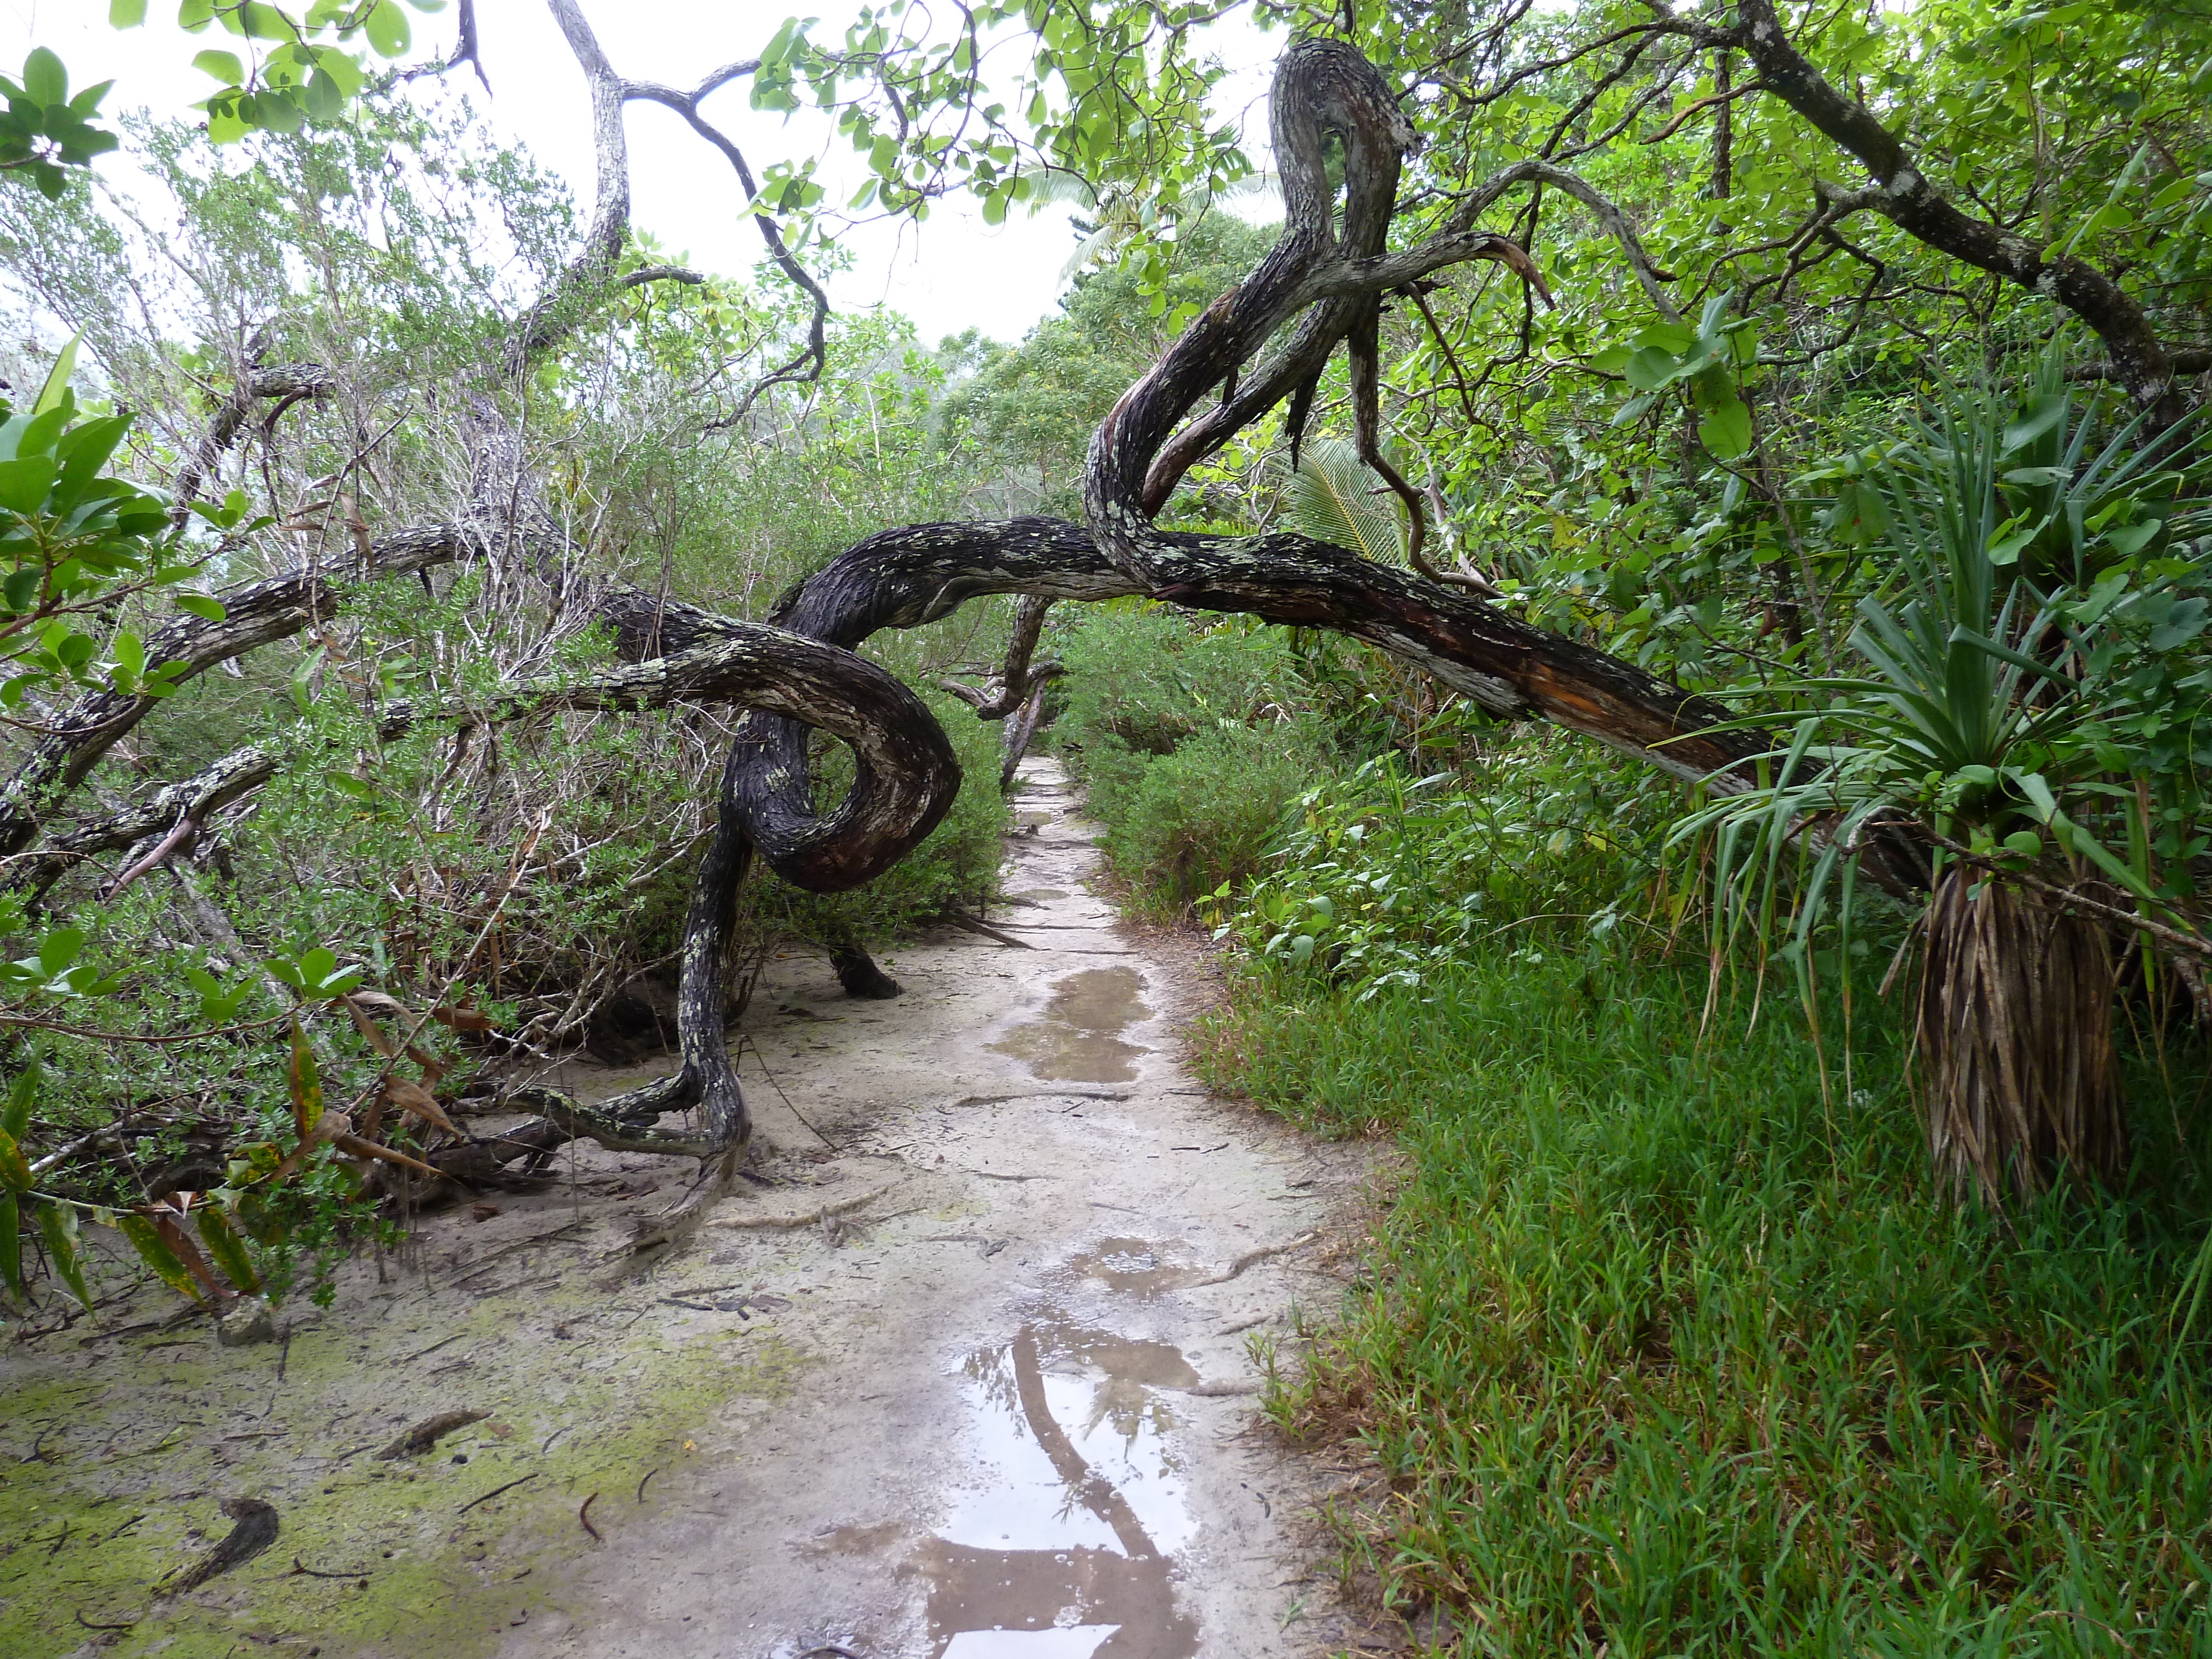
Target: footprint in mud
(1065,1551)
(1075,1041)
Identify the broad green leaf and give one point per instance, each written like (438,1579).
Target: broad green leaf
(306,1084)
(324,99)
(2025,430)
(58,1225)
(341,67)
(146,1239)
(224,66)
(263,22)
(59,948)
(22,1096)
(226,125)
(15,1168)
(1726,430)
(1651,368)
(277,112)
(45,80)
(202,605)
(24,485)
(58,377)
(2130,540)
(228,1249)
(387,29)
(125,13)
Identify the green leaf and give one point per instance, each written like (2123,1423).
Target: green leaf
(1726,430)
(387,29)
(15,1168)
(277,112)
(322,97)
(59,948)
(24,484)
(58,377)
(341,67)
(2130,540)
(224,66)
(146,1239)
(11,1243)
(125,13)
(228,1249)
(1651,369)
(263,22)
(58,1224)
(306,1083)
(202,605)
(22,1096)
(2046,414)
(45,80)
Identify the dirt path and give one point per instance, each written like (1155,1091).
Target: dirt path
(966,1372)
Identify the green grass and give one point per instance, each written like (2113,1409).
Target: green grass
(1655,1353)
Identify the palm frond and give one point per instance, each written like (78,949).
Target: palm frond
(1336,497)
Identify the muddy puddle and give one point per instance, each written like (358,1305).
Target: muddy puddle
(1062,1546)
(1078,1039)
(1132,1265)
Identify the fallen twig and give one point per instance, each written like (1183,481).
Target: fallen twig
(493,1493)
(962,919)
(584,1515)
(1253,1258)
(309,1572)
(812,1218)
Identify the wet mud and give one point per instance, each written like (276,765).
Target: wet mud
(1078,1038)
(961,1372)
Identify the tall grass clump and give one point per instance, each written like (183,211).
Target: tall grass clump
(1663,1348)
(1185,742)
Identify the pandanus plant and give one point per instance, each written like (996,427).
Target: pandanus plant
(1988,729)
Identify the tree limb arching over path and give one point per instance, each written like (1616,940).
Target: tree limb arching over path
(906,577)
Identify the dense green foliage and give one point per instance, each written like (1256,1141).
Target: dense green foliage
(526,885)
(1666,1345)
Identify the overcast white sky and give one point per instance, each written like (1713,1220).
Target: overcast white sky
(951,274)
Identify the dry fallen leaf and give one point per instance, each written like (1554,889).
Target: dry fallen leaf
(414,1097)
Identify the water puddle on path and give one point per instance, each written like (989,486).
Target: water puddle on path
(1063,1550)
(1075,1041)
(1132,1264)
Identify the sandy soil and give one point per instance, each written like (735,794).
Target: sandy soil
(965,1372)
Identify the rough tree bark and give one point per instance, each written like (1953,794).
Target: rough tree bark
(906,577)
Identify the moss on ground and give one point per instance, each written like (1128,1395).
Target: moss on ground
(119,1454)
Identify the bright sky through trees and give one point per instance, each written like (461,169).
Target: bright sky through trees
(951,274)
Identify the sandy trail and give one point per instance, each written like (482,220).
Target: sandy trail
(964,1372)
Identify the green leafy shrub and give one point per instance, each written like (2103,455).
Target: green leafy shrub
(1190,822)
(1185,745)
(1388,879)
(1147,678)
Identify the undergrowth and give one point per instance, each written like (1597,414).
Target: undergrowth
(1664,1349)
